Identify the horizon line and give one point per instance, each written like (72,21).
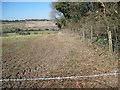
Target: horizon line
(23,19)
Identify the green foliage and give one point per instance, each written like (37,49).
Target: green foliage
(35,32)
(24,33)
(102,41)
(82,16)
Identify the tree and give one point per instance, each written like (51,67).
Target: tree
(81,17)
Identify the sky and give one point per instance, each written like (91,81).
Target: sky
(25,10)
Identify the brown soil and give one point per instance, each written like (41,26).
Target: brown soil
(60,55)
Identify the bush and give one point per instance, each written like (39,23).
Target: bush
(101,41)
(47,29)
(24,33)
(39,29)
(28,33)
(35,32)
(17,30)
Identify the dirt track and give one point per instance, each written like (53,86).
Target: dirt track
(55,55)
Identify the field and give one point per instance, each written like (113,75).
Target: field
(11,27)
(50,54)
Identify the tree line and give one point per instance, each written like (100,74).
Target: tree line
(25,20)
(89,20)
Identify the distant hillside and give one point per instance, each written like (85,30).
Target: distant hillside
(39,24)
(12,26)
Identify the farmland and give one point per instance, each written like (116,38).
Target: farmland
(12,27)
(60,45)
(56,55)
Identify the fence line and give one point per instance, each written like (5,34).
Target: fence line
(56,78)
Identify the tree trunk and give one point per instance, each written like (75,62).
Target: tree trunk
(110,41)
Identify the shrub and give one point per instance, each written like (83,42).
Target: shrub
(28,33)
(47,29)
(35,32)
(101,41)
(24,33)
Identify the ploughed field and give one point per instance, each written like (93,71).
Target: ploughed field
(56,55)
